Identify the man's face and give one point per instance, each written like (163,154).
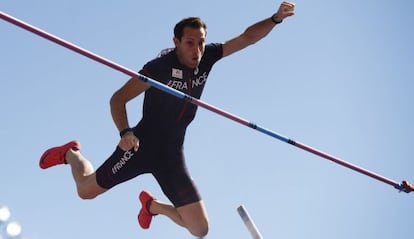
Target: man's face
(190,48)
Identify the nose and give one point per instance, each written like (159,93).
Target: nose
(200,50)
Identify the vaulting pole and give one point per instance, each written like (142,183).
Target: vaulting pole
(249,223)
(403,186)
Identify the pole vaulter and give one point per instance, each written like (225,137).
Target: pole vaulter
(404,186)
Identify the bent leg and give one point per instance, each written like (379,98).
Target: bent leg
(187,209)
(192,216)
(83,174)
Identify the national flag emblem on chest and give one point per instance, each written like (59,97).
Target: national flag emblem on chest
(177,73)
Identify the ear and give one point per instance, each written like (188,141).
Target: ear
(176,41)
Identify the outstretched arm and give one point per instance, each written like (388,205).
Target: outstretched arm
(258,30)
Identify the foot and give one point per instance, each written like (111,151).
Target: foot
(145,215)
(56,155)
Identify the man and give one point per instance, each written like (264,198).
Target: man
(155,144)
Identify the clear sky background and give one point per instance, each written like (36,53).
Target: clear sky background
(337,76)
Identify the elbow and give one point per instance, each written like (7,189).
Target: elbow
(250,37)
(115,100)
(250,40)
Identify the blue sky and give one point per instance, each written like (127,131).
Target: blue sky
(336,76)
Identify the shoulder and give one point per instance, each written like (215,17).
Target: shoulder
(213,52)
(216,48)
(164,60)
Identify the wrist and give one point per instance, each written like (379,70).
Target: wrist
(274,20)
(124,131)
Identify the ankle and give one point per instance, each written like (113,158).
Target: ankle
(70,154)
(153,207)
(150,206)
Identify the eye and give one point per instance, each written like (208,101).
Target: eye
(190,43)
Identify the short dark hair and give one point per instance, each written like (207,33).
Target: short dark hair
(193,22)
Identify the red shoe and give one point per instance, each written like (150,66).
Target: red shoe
(144,215)
(56,155)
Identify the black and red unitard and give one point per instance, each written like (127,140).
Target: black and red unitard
(162,129)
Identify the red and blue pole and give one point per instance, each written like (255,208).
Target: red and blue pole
(403,186)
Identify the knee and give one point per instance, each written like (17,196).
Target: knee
(89,189)
(86,195)
(201,230)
